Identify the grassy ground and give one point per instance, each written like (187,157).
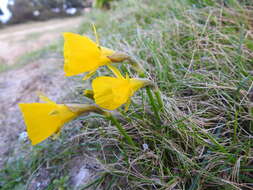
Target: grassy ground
(200,55)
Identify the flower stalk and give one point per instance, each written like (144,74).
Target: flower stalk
(85,108)
(153,104)
(120,57)
(159,99)
(121,130)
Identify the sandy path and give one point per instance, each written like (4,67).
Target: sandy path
(20,85)
(20,39)
(25,29)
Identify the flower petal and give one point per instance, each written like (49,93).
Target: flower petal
(43,98)
(80,54)
(136,84)
(115,71)
(110,92)
(40,121)
(90,74)
(106,52)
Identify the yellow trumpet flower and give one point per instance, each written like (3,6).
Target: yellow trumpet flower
(112,92)
(45,119)
(83,55)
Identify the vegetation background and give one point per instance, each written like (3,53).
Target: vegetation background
(200,55)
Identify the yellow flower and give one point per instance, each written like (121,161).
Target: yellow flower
(83,55)
(45,119)
(112,92)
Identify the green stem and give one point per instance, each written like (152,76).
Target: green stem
(159,99)
(152,102)
(157,95)
(121,130)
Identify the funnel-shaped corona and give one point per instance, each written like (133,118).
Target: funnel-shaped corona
(45,119)
(81,54)
(111,92)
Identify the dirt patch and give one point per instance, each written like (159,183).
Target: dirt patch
(21,86)
(83,170)
(40,181)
